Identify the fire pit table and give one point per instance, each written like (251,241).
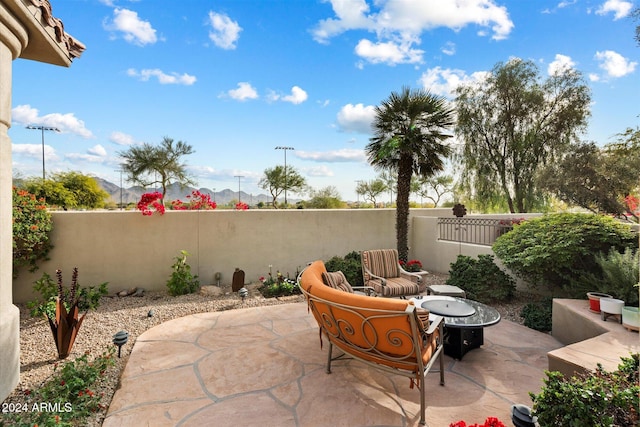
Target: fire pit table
(464,321)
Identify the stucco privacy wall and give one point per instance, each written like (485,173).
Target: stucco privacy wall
(437,255)
(27,30)
(128,249)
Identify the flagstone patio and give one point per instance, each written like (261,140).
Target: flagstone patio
(264,367)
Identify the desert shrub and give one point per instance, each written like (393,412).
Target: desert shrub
(619,275)
(32,224)
(481,279)
(350,265)
(597,399)
(72,387)
(537,315)
(559,250)
(279,287)
(88,297)
(182,281)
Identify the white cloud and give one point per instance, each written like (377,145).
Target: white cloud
(318,171)
(449,48)
(561,63)
(619,8)
(97,150)
(356,118)
(33,150)
(298,96)
(163,78)
(224,32)
(342,155)
(398,24)
(594,77)
(390,52)
(66,123)
(615,64)
(135,30)
(243,92)
(95,154)
(121,138)
(445,81)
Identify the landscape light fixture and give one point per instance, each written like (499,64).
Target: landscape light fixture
(285,170)
(42,129)
(238,176)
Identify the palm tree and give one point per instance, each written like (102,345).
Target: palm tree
(410,130)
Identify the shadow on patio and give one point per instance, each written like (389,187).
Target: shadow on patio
(264,367)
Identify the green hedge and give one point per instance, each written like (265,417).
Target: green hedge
(559,250)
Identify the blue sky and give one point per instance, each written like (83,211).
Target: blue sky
(236,78)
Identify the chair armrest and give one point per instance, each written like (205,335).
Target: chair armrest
(435,324)
(410,276)
(382,280)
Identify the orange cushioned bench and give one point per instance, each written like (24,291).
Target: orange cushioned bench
(385,333)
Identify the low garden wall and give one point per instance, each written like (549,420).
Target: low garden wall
(129,250)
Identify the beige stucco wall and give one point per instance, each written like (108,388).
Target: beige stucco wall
(128,249)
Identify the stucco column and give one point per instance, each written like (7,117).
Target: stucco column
(13,38)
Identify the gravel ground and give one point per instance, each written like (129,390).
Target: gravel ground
(37,349)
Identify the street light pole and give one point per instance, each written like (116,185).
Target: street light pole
(285,170)
(42,129)
(120,170)
(238,176)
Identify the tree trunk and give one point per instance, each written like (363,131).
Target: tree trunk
(402,206)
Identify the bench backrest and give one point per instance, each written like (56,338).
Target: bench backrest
(380,330)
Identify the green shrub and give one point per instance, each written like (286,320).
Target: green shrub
(32,224)
(619,275)
(280,287)
(182,281)
(350,265)
(481,279)
(72,388)
(88,297)
(559,250)
(597,399)
(537,315)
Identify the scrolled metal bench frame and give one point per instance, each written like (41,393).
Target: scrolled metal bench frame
(342,332)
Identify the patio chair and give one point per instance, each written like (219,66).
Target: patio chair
(382,272)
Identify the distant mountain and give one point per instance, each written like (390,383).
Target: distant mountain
(174,192)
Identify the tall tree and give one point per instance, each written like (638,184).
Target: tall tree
(390,180)
(68,190)
(410,130)
(370,190)
(511,124)
(275,182)
(598,178)
(86,190)
(149,165)
(438,185)
(325,198)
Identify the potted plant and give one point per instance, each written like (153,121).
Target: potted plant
(594,300)
(620,279)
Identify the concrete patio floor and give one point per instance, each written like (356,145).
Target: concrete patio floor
(264,367)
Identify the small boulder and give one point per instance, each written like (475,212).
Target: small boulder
(211,290)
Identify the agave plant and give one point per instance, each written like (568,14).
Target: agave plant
(66,324)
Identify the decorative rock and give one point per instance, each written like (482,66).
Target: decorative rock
(211,290)
(150,313)
(139,292)
(127,292)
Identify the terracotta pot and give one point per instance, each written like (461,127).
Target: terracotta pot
(594,300)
